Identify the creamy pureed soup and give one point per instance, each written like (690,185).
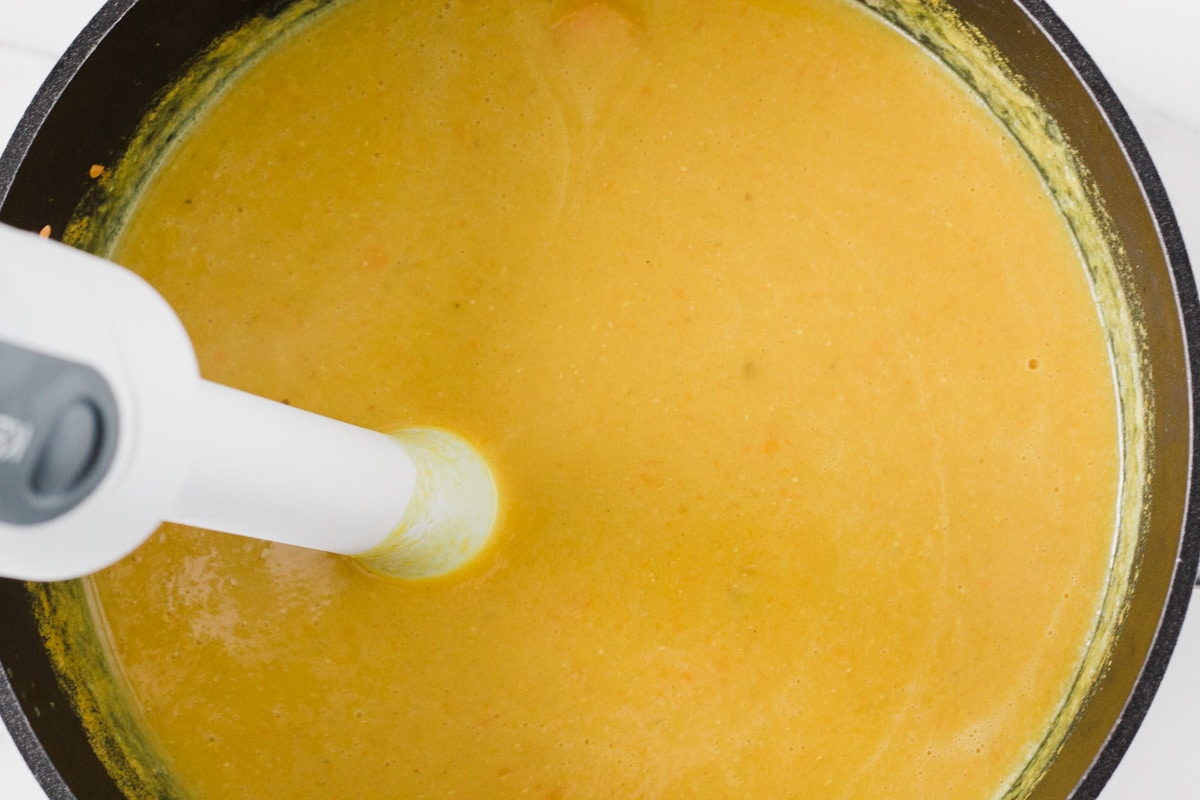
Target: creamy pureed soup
(788,367)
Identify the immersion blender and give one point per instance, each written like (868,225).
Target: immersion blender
(108,430)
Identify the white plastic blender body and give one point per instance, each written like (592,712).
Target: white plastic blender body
(190,451)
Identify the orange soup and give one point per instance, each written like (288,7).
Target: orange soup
(788,367)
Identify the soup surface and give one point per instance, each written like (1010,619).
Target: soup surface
(788,368)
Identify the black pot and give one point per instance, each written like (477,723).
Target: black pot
(94,99)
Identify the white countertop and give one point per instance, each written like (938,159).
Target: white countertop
(1152,57)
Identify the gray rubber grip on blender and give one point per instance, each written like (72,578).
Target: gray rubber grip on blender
(58,434)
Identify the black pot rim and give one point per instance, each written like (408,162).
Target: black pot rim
(60,77)
(39,761)
(1170,237)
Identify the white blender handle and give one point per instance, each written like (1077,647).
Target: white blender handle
(107,430)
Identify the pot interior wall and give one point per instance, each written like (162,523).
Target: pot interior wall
(1069,86)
